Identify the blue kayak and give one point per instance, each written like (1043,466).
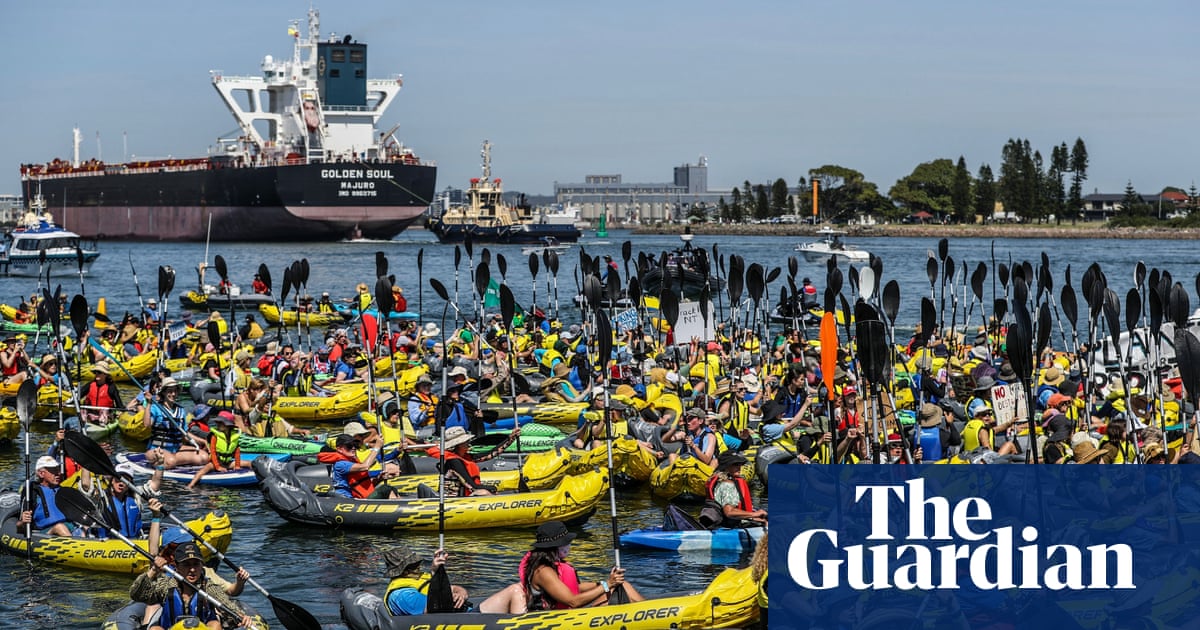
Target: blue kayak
(694,540)
(135,464)
(394,316)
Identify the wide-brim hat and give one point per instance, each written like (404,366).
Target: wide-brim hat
(101,368)
(1086,452)
(169,382)
(273,347)
(1053,376)
(1007,373)
(979,352)
(354,429)
(930,416)
(457,370)
(1151,450)
(552,535)
(751,383)
(424,380)
(457,435)
(771,410)
(731,458)
(431,330)
(400,560)
(985,383)
(561,370)
(1059,429)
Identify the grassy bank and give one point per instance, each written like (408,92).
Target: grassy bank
(1066,230)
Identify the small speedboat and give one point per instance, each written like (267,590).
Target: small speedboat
(548,243)
(37,234)
(830,245)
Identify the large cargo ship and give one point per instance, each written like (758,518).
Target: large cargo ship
(309,163)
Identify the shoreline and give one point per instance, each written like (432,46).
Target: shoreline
(1065,231)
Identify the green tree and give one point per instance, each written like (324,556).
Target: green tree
(929,187)
(748,200)
(1078,168)
(1060,163)
(985,193)
(960,192)
(843,193)
(780,200)
(735,206)
(762,206)
(1019,181)
(723,209)
(1132,204)
(1193,201)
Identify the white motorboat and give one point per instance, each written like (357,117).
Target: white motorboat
(38,246)
(830,245)
(548,243)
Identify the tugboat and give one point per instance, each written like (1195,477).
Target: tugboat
(687,263)
(308,162)
(487,218)
(65,255)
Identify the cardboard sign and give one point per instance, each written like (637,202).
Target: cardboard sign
(691,324)
(625,321)
(1008,401)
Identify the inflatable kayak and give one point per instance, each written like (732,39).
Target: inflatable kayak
(132,426)
(270,312)
(197,300)
(573,501)
(730,601)
(768,455)
(129,617)
(139,366)
(350,313)
(10,425)
(544,412)
(93,554)
(135,464)
(99,431)
(685,479)
(277,446)
(542,471)
(723,539)
(342,404)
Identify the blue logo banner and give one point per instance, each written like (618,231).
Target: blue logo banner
(900,547)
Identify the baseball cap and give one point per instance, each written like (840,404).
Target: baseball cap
(187,551)
(47,462)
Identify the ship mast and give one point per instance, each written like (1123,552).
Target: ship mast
(486,153)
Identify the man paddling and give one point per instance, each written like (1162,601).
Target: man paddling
(44,512)
(179,597)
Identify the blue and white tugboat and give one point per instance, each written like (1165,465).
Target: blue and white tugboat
(65,253)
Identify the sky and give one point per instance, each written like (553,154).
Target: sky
(762,89)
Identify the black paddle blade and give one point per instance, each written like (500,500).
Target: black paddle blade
(835,280)
(604,338)
(1043,328)
(737,279)
(76,506)
(296,270)
(1002,273)
(891,300)
(1027,272)
(287,284)
(1112,315)
(830,303)
(304,271)
(627,250)
(381,264)
(440,598)
(420,259)
(876,264)
(53,314)
(1018,345)
(486,255)
(483,277)
(999,309)
(931,270)
(88,454)
(1133,309)
(635,291)
(1069,307)
(593,291)
(928,317)
(612,287)
(872,342)
(553,264)
(469,245)
(1020,289)
(755,276)
(944,249)
(705,296)
(977,279)
(508,306)
(222,269)
(1179,306)
(1187,351)
(793,266)
(948,269)
(26,401)
(170,275)
(214,334)
(264,274)
(457,257)
(1139,275)
(439,288)
(384,300)
(79,315)
(773,275)
(853,279)
(533,265)
(1156,313)
(669,307)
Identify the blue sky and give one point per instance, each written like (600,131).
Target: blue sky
(563,89)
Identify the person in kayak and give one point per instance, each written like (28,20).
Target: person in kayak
(223,448)
(166,420)
(43,511)
(729,493)
(462,468)
(552,582)
(99,397)
(182,600)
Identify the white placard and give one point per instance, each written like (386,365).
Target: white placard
(1008,402)
(691,324)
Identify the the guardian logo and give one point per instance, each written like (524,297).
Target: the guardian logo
(974,554)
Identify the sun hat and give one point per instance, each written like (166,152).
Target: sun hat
(1151,450)
(201,411)
(431,330)
(561,370)
(187,551)
(1086,452)
(1007,373)
(424,380)
(400,560)
(47,359)
(1053,376)
(169,382)
(984,383)
(751,382)
(1059,429)
(979,352)
(552,535)
(981,409)
(457,435)
(930,416)
(457,370)
(101,368)
(272,348)
(45,462)
(731,458)
(354,429)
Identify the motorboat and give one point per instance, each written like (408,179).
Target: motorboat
(687,267)
(830,245)
(38,245)
(548,243)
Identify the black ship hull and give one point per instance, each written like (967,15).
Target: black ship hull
(301,202)
(693,282)
(518,234)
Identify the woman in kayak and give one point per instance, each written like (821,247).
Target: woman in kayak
(552,582)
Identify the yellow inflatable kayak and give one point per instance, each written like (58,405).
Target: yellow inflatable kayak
(131,426)
(10,425)
(140,367)
(573,501)
(110,555)
(270,312)
(342,404)
(50,398)
(685,479)
(730,601)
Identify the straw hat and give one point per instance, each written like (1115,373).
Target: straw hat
(1053,376)
(1151,450)
(1085,453)
(930,416)
(457,435)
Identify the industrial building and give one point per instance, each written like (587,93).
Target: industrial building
(630,203)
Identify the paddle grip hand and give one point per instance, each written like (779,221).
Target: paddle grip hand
(616,577)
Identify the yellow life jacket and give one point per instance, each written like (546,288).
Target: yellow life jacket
(1124,454)
(226,446)
(739,414)
(550,357)
(421,583)
(970,436)
(255,331)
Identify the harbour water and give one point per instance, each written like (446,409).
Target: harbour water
(312,566)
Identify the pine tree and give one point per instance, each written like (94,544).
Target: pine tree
(780,201)
(1060,162)
(985,193)
(1079,166)
(1131,203)
(960,193)
(735,206)
(762,205)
